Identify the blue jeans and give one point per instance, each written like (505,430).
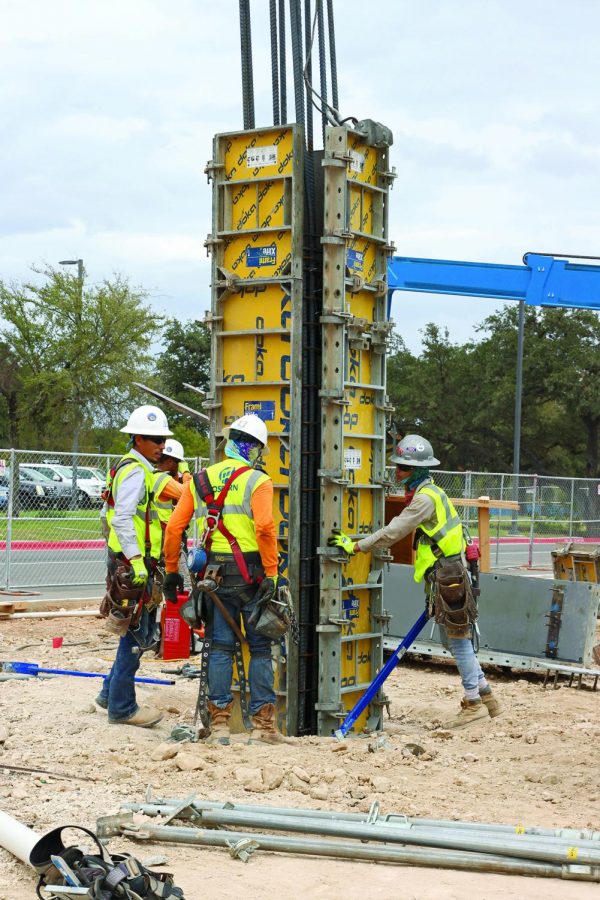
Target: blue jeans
(118,689)
(220,662)
(467,663)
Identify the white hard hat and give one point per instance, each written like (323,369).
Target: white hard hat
(251,425)
(147,420)
(173,448)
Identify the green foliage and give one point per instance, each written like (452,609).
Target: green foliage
(185,358)
(74,352)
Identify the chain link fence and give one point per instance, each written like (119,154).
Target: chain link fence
(50,504)
(50,533)
(551,509)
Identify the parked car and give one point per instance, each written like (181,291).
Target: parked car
(31,495)
(3,497)
(87,490)
(59,494)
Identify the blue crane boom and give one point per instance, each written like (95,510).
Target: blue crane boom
(542,281)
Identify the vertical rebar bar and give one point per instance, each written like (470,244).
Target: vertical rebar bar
(274,60)
(282,64)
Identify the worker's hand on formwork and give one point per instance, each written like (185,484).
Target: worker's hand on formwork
(340,539)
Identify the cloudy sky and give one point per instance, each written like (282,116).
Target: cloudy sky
(108,110)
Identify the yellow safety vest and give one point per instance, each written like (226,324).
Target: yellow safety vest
(164,508)
(447,533)
(139,519)
(237,511)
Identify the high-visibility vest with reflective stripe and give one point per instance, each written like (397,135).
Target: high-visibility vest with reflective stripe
(447,533)
(164,508)
(237,511)
(139,518)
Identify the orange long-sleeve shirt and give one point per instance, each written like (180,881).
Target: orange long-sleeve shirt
(261,504)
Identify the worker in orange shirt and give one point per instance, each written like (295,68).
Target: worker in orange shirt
(242,543)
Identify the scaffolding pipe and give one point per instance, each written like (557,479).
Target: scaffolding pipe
(435,858)
(166,806)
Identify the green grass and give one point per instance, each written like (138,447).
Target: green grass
(53,525)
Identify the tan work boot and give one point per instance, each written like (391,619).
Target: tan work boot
(470,711)
(264,730)
(143,717)
(219,724)
(491,701)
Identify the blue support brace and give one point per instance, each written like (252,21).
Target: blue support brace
(542,281)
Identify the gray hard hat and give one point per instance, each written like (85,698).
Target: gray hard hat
(414,450)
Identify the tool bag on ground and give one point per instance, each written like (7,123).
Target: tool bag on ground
(107,877)
(121,604)
(451,600)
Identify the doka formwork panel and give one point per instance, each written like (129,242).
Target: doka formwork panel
(353,399)
(256,247)
(514,618)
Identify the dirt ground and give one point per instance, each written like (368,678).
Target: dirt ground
(537,764)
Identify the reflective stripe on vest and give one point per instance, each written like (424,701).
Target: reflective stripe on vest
(139,517)
(447,533)
(164,508)
(237,510)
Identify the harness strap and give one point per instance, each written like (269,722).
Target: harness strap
(109,499)
(214,508)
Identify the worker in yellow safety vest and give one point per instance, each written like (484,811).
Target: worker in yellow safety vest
(134,547)
(440,563)
(232,502)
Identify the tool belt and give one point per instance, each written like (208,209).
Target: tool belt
(229,569)
(105,876)
(274,616)
(450,597)
(122,603)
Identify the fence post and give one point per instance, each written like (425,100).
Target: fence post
(571,510)
(14,479)
(467,494)
(532,526)
(499,520)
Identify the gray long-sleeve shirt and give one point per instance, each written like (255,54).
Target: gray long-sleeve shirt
(130,492)
(420,510)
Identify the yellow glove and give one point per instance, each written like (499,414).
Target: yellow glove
(339,539)
(140,573)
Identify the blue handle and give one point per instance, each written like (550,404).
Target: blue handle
(390,665)
(26,668)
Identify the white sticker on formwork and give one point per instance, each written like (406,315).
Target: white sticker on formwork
(352,459)
(357,161)
(261,156)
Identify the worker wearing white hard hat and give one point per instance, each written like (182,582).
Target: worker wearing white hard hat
(134,547)
(172,464)
(239,543)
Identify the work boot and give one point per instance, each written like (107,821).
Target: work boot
(491,701)
(264,730)
(219,724)
(143,717)
(470,711)
(101,702)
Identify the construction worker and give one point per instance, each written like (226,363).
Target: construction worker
(243,544)
(135,539)
(440,562)
(172,464)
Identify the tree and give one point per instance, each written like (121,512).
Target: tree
(78,351)
(185,359)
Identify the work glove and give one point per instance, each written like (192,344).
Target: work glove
(173,582)
(140,573)
(267,588)
(339,539)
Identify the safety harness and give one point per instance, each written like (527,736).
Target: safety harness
(214,519)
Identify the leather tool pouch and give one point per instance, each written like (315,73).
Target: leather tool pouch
(454,606)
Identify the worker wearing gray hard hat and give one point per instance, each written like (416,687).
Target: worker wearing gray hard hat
(440,546)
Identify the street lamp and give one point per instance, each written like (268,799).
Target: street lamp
(78,314)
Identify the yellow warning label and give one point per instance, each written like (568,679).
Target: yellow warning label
(520,829)
(572,852)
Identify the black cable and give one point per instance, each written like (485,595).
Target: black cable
(282,69)
(332,57)
(274,61)
(322,62)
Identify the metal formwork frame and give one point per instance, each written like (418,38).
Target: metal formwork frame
(354,331)
(256,312)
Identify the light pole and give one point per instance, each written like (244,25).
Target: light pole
(76,423)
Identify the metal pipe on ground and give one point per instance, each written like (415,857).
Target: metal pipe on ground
(442,838)
(436,858)
(166,806)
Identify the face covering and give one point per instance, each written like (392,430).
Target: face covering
(416,477)
(243,451)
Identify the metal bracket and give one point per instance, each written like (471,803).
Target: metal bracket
(211,168)
(335,476)
(242,849)
(210,242)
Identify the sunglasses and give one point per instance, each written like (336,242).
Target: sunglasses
(154,439)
